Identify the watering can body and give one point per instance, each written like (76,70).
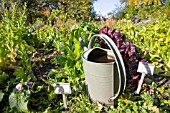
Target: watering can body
(101,80)
(105,79)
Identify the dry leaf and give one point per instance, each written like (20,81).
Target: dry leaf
(125,100)
(153,108)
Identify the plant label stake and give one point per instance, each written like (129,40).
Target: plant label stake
(144,68)
(62,88)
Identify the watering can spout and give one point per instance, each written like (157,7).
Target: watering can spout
(82,44)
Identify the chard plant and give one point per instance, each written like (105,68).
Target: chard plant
(128,50)
(153,40)
(69,58)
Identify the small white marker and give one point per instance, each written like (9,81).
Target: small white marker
(62,88)
(140,83)
(144,68)
(64,100)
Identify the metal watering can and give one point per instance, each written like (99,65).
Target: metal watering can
(105,74)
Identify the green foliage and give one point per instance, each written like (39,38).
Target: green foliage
(153,40)
(1,95)
(15,56)
(146,2)
(146,102)
(14,50)
(70,58)
(19,72)
(3,76)
(18,101)
(154,37)
(18,41)
(147,11)
(46,36)
(79,10)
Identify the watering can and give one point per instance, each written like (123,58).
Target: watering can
(104,71)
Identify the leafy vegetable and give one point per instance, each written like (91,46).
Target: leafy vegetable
(19,102)
(1,95)
(127,49)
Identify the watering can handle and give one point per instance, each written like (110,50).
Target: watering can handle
(118,59)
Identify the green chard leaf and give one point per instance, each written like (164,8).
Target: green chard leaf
(18,101)
(1,95)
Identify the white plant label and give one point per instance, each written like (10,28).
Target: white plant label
(62,88)
(146,68)
(140,83)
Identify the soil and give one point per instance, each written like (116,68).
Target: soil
(42,62)
(163,82)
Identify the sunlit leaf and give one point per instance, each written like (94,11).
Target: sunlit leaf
(124,99)
(18,101)
(13,100)
(3,77)
(1,95)
(22,104)
(168,63)
(166,73)
(161,89)
(156,27)
(153,108)
(60,60)
(77,48)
